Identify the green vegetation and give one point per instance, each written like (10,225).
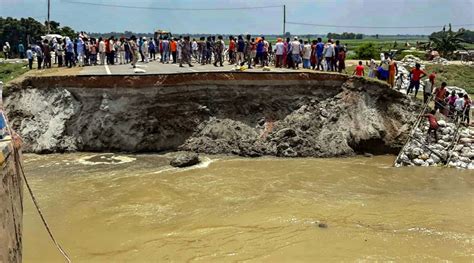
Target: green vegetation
(447,41)
(27,30)
(455,75)
(367,51)
(9,71)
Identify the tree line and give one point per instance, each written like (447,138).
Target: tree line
(28,31)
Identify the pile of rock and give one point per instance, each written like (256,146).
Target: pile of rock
(422,150)
(463,153)
(410,61)
(440,60)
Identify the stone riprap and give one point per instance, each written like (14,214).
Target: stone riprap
(424,150)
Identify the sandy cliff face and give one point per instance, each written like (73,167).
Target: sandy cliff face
(299,114)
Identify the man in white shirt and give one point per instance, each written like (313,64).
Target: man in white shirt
(102,51)
(279,49)
(329,53)
(306,55)
(459,105)
(295,52)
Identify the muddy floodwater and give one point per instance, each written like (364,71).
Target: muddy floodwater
(136,208)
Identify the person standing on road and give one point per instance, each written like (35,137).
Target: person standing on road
(173,49)
(341,57)
(134,50)
(231,50)
(39,54)
(335,64)
(80,51)
(295,52)
(145,50)
(60,52)
(319,54)
(266,51)
(152,49)
(306,55)
(195,50)
(240,51)
(286,51)
(259,58)
(69,52)
(329,54)
(248,51)
(165,49)
(102,51)
(314,57)
(29,55)
(219,49)
(185,47)
(279,50)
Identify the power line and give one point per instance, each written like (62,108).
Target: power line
(172,8)
(384,27)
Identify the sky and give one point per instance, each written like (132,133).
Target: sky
(344,13)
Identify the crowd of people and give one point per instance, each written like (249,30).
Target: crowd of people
(241,50)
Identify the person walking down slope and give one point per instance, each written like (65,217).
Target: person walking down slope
(415,75)
(185,47)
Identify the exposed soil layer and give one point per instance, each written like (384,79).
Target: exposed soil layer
(248,114)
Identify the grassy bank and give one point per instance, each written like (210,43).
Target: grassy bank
(9,71)
(455,75)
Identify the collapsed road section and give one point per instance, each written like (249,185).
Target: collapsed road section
(247,114)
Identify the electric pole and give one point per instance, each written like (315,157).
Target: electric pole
(284,19)
(49,7)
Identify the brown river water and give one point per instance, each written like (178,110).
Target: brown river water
(135,208)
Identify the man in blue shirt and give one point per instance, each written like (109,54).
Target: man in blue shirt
(319,52)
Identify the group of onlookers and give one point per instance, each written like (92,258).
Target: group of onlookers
(241,50)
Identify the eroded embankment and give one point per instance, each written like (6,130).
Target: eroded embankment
(250,114)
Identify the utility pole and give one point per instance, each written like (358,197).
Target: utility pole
(284,19)
(49,7)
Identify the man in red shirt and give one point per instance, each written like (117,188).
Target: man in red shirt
(433,123)
(415,75)
(440,96)
(359,70)
(231,50)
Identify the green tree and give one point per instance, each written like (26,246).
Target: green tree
(447,42)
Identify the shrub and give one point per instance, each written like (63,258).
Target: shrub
(367,51)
